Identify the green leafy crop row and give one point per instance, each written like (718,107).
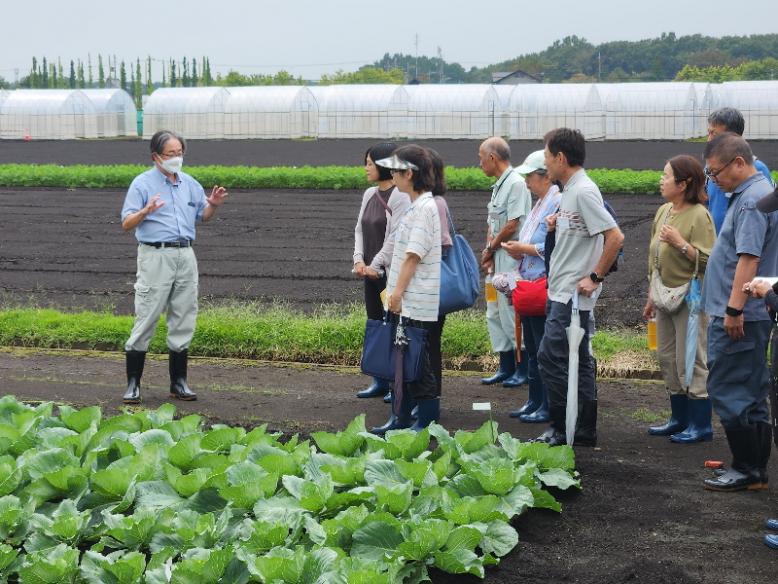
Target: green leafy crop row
(305,177)
(146,498)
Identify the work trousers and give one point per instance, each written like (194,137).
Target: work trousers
(166,282)
(738,380)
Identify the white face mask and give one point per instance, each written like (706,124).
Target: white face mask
(172,165)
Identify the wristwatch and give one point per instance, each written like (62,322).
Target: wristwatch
(730,311)
(684,248)
(595,278)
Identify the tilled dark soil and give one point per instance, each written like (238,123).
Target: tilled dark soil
(642,516)
(67,249)
(624,154)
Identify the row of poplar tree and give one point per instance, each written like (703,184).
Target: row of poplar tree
(45,74)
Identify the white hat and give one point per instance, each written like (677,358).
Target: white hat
(533,163)
(395,163)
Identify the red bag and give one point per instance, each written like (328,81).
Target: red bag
(530,297)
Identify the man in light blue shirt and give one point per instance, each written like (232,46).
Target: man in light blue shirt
(726,119)
(162,206)
(738,379)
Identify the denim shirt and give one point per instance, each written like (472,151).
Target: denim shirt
(745,230)
(533,267)
(175,221)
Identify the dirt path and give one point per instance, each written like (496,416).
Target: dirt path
(642,516)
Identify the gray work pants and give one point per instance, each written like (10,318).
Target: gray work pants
(738,379)
(166,282)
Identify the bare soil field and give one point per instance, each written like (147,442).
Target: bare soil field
(642,516)
(625,154)
(67,249)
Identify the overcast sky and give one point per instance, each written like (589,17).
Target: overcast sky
(308,37)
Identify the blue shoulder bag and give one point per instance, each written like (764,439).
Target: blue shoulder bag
(459,281)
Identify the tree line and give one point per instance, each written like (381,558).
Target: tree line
(134,77)
(574,59)
(571,59)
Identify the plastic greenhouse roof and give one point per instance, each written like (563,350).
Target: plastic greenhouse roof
(268,98)
(46,101)
(555,97)
(372,98)
(654,97)
(187,100)
(451,98)
(110,100)
(750,95)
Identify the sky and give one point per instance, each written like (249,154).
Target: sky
(309,38)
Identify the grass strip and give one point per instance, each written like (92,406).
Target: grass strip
(331,335)
(304,177)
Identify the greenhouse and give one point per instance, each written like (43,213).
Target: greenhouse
(116,113)
(758,100)
(50,114)
(453,111)
(535,109)
(362,111)
(195,112)
(649,111)
(270,112)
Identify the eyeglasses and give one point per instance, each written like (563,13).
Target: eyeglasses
(714,173)
(396,170)
(172,154)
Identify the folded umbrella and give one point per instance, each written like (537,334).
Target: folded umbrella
(574,335)
(400,344)
(694,302)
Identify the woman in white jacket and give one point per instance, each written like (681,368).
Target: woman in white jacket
(383,205)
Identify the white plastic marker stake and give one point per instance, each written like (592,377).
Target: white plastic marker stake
(486,407)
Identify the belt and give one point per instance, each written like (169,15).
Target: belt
(163,244)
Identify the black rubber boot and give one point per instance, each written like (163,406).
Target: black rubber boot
(428,412)
(399,420)
(378,388)
(744,472)
(555,435)
(679,417)
(507,368)
(135,362)
(586,432)
(520,374)
(765,433)
(388,397)
(177,365)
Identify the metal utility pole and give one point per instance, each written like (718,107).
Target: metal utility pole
(417,56)
(599,66)
(440,65)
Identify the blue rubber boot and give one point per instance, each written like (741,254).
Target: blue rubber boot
(772,524)
(679,417)
(537,389)
(378,388)
(771,541)
(507,368)
(699,428)
(536,392)
(397,421)
(540,415)
(521,373)
(429,411)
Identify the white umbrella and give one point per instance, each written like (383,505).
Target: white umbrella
(574,335)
